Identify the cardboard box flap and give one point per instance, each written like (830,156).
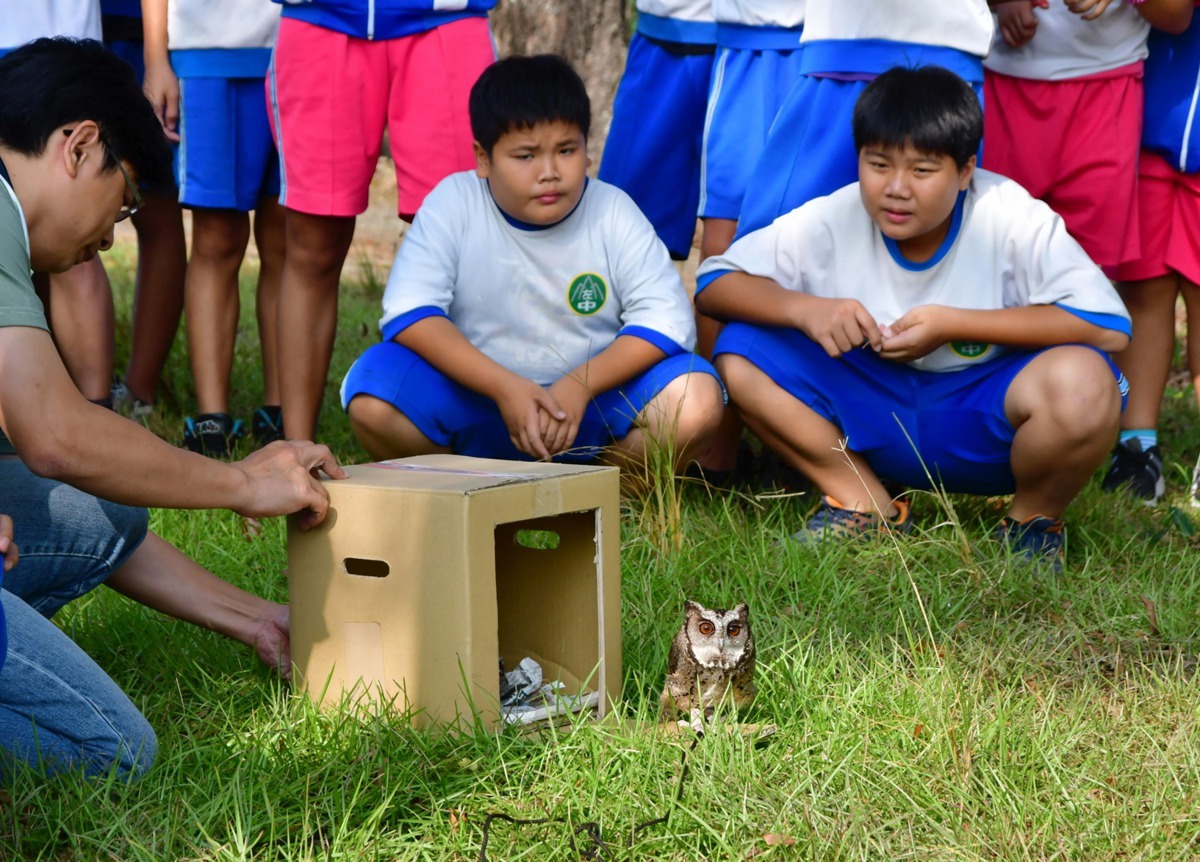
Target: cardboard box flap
(456,474)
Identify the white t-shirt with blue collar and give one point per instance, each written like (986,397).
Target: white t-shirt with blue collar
(538,301)
(1004,249)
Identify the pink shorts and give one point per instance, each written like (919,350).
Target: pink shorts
(1073,144)
(1169,210)
(331,96)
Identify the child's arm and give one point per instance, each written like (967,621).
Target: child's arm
(440,343)
(1016,21)
(928,327)
(1171,16)
(160,83)
(624,359)
(838,325)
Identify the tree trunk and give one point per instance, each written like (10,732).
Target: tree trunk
(593,35)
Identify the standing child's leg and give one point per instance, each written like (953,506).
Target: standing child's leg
(316,249)
(269,227)
(219,238)
(1191,301)
(82,325)
(1136,465)
(158,298)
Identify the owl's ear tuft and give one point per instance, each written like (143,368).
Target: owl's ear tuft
(690,607)
(742,610)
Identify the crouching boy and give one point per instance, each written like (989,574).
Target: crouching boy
(933,316)
(532,312)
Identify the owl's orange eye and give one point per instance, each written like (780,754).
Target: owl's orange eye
(734,629)
(707,628)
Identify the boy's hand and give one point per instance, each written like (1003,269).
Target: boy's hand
(521,403)
(574,398)
(7,546)
(838,325)
(1088,10)
(1017,22)
(916,334)
(162,89)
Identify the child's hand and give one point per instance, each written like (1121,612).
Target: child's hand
(1088,10)
(838,325)
(162,89)
(1017,22)
(573,397)
(7,546)
(520,401)
(916,334)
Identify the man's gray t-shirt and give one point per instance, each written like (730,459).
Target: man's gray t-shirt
(19,304)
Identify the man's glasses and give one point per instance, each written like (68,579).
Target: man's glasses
(127,210)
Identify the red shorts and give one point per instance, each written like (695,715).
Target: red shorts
(331,96)
(1073,144)
(1169,211)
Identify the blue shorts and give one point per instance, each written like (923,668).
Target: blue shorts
(227,158)
(132,52)
(903,421)
(810,152)
(451,415)
(653,146)
(748,87)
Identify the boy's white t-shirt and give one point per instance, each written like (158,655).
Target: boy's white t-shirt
(682,10)
(759,13)
(965,25)
(538,302)
(1065,46)
(206,24)
(23,21)
(1010,250)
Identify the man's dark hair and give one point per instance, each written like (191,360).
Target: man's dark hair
(929,107)
(520,92)
(51,83)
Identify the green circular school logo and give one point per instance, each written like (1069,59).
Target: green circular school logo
(587,293)
(969,349)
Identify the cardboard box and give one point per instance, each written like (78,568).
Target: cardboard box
(428,570)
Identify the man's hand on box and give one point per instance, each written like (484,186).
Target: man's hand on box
(282,478)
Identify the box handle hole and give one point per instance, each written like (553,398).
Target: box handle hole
(537,540)
(365,568)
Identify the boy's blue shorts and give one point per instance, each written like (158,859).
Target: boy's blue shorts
(748,88)
(452,415)
(653,146)
(903,421)
(810,151)
(227,158)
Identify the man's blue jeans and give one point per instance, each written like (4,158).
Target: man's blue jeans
(58,710)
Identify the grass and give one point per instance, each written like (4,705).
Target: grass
(932,701)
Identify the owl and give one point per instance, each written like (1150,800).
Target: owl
(712,657)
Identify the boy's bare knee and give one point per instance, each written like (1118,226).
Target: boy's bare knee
(1079,391)
(700,408)
(369,414)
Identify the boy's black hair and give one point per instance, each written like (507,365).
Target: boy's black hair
(930,107)
(520,92)
(51,83)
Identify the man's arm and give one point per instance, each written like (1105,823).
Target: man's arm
(61,435)
(161,577)
(837,325)
(928,327)
(440,343)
